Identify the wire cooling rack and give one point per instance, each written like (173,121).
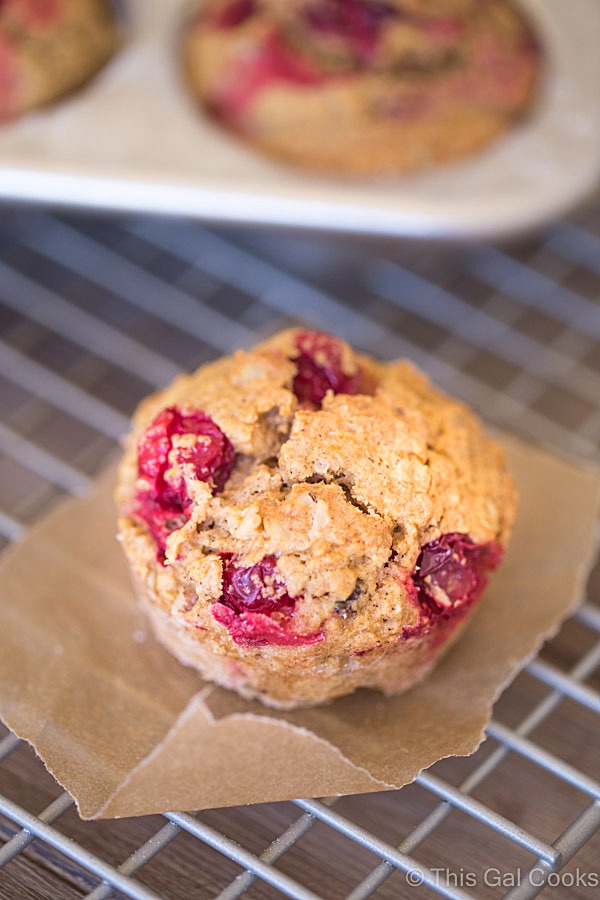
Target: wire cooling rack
(95,313)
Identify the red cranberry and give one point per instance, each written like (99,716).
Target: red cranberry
(255,588)
(319,368)
(451,573)
(255,606)
(235,14)
(163,503)
(160,518)
(405,107)
(358,21)
(281,63)
(252,629)
(272,62)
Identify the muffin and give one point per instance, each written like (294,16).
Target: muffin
(50,47)
(362,87)
(301,520)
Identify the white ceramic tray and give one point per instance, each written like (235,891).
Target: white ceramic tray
(134,141)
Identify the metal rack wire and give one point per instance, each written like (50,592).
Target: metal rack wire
(94,313)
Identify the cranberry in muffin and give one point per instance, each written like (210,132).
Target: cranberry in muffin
(49,48)
(363,86)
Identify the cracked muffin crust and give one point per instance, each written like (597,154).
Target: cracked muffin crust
(49,48)
(302,520)
(362,86)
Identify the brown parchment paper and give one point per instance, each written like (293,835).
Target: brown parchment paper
(129,731)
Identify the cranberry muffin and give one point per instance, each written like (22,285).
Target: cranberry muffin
(363,87)
(50,47)
(302,520)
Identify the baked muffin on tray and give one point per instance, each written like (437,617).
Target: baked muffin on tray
(50,47)
(302,520)
(363,86)
(378,35)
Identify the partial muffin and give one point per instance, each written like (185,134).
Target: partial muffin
(363,86)
(49,48)
(301,520)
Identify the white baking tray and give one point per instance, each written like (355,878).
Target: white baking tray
(133,140)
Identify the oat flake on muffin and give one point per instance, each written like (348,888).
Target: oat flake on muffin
(302,520)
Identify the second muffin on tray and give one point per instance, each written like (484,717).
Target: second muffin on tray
(302,520)
(363,86)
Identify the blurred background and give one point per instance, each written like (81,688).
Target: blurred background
(97,311)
